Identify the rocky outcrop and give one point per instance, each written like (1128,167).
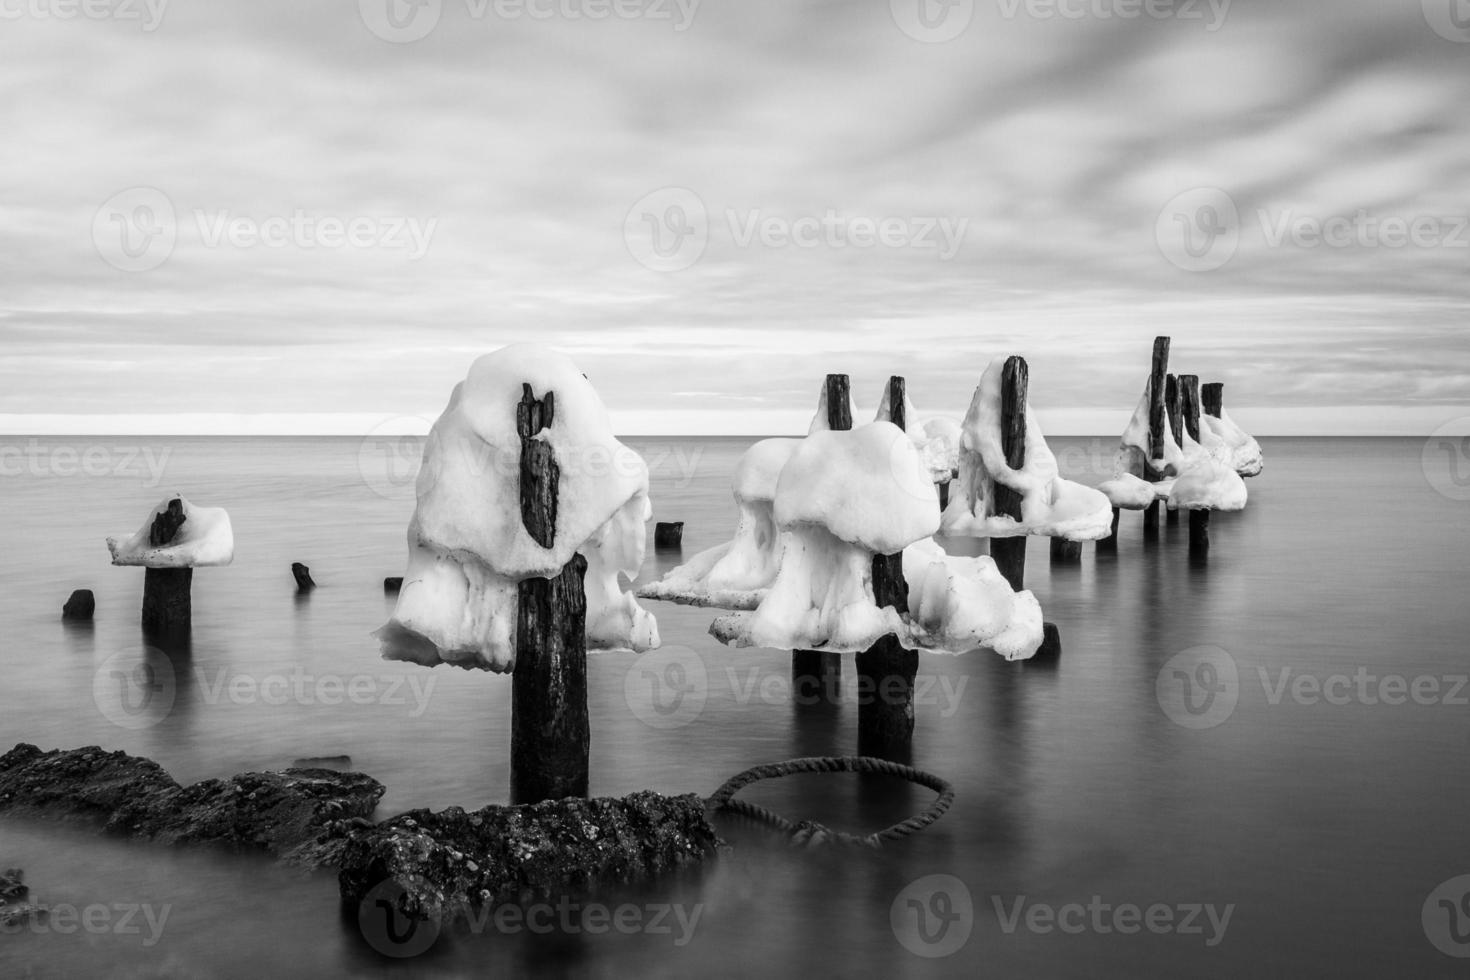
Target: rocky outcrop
(258,811)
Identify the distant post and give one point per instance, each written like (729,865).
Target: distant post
(819,667)
(550,733)
(1174,397)
(1010,553)
(1212,399)
(1157,418)
(1199,520)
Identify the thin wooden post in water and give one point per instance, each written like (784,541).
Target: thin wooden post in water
(1174,403)
(1212,399)
(820,668)
(1157,419)
(1199,520)
(1010,553)
(550,733)
(1109,544)
(167,603)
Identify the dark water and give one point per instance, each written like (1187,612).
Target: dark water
(1325,827)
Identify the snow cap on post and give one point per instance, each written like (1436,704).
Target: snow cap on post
(197,537)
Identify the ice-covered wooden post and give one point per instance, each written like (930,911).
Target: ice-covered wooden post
(1212,400)
(1010,553)
(1199,518)
(816,666)
(1157,420)
(1174,403)
(550,734)
(886,670)
(175,539)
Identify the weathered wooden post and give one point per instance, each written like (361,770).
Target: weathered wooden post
(886,671)
(550,733)
(1157,419)
(302,574)
(1010,553)
(819,667)
(1174,402)
(1199,520)
(167,602)
(668,536)
(1212,399)
(1109,544)
(176,538)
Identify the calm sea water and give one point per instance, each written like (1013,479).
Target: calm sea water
(1324,827)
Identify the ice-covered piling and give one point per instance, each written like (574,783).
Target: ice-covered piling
(1174,403)
(1212,399)
(176,538)
(821,670)
(1157,421)
(1010,553)
(1199,519)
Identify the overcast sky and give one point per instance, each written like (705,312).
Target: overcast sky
(711,205)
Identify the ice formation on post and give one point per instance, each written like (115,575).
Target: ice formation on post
(1133,455)
(820,421)
(1245,453)
(204,538)
(937,439)
(468,546)
(1208,480)
(1050,506)
(737,574)
(843,498)
(1128,492)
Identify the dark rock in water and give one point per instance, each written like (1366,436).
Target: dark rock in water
(323,762)
(14,909)
(303,577)
(668,536)
(123,794)
(392,584)
(442,867)
(80,606)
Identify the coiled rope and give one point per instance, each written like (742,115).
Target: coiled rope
(811,834)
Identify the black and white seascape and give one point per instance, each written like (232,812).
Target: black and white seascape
(668,488)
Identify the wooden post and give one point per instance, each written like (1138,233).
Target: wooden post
(818,667)
(167,603)
(668,536)
(1010,553)
(302,574)
(550,733)
(1174,399)
(1212,399)
(1199,520)
(1109,544)
(898,414)
(1157,418)
(886,671)
(1064,552)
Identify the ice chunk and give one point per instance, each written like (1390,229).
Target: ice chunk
(204,538)
(1208,484)
(468,546)
(957,604)
(1128,492)
(736,575)
(941,447)
(1050,507)
(1245,453)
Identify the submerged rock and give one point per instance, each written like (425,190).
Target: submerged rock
(451,865)
(123,794)
(14,908)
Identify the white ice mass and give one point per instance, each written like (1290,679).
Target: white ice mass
(1128,492)
(1051,506)
(468,547)
(205,538)
(841,499)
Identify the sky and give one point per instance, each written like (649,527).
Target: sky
(312,215)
